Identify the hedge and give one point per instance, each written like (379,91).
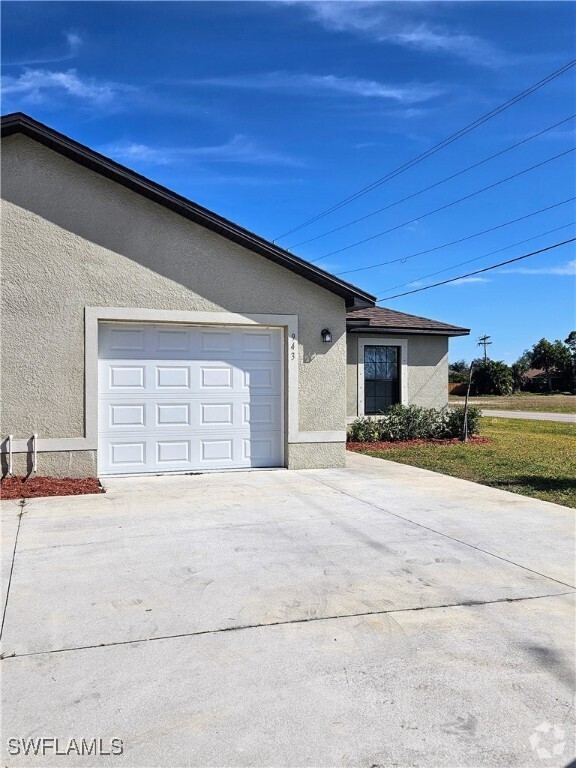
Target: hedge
(412,422)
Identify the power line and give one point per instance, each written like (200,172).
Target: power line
(432,186)
(460,240)
(479,271)
(436,148)
(444,207)
(479,258)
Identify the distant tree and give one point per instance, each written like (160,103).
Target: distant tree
(544,356)
(519,370)
(558,359)
(525,359)
(570,342)
(492,377)
(458,372)
(563,364)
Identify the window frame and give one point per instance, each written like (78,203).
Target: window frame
(381,341)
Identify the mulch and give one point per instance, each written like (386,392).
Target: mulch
(388,446)
(33,487)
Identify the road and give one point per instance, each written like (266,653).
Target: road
(566,418)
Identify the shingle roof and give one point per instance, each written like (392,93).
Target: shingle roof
(383,320)
(21,123)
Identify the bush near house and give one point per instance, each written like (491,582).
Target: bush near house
(412,422)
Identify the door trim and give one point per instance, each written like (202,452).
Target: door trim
(279,394)
(371,341)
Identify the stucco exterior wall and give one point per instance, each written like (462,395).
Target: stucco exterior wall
(427,370)
(55,464)
(72,239)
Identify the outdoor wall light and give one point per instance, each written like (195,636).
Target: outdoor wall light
(326,336)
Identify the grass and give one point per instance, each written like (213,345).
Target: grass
(533,458)
(523,401)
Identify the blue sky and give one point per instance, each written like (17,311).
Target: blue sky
(269,113)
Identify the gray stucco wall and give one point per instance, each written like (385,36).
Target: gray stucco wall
(72,239)
(427,370)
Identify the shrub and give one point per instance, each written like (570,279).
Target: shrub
(412,422)
(364,430)
(455,421)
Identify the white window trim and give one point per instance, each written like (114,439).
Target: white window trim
(371,341)
(94,315)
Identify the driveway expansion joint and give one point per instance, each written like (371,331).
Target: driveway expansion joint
(288,622)
(439,533)
(21,504)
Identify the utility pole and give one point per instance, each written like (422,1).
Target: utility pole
(483,342)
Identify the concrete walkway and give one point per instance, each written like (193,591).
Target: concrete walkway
(378,615)
(566,418)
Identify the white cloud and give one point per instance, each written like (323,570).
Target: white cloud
(470,280)
(404,24)
(73,44)
(329,84)
(240,149)
(568,269)
(36,84)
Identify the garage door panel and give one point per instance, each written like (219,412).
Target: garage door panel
(180,398)
(261,413)
(126,341)
(173,414)
(215,377)
(171,341)
(122,377)
(127,454)
(172,377)
(261,343)
(126,415)
(216,342)
(123,415)
(216,413)
(170,452)
(205,376)
(176,453)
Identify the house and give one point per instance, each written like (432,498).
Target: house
(393,357)
(144,333)
(536,380)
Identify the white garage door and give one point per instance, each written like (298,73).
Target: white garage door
(181,398)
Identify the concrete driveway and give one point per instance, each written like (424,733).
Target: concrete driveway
(378,615)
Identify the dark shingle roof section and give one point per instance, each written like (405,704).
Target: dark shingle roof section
(21,123)
(383,320)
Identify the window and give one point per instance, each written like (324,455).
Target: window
(381,378)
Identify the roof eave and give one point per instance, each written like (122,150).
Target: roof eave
(411,331)
(18,122)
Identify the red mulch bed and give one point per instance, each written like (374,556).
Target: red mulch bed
(22,488)
(382,446)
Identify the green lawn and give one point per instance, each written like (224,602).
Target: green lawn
(534,458)
(523,401)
